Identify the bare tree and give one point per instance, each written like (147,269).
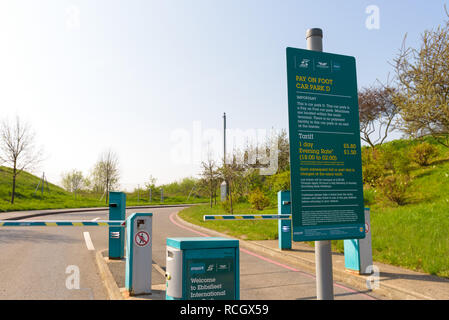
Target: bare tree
(377,111)
(210,178)
(106,172)
(17,149)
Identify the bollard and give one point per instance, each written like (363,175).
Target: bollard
(284,226)
(117,211)
(201,268)
(358,252)
(139,253)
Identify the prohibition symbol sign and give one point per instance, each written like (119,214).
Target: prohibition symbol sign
(366,227)
(142,238)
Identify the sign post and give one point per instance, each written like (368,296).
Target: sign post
(325,152)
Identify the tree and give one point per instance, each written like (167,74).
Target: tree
(73,181)
(377,111)
(106,173)
(151,183)
(231,172)
(17,149)
(423,81)
(210,178)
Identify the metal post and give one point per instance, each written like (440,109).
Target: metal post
(323,252)
(225,186)
(224,138)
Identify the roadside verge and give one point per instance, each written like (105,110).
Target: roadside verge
(392,282)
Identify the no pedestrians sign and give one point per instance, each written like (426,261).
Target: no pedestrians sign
(142,239)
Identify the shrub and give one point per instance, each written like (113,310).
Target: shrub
(372,168)
(369,196)
(226,205)
(395,161)
(258,200)
(394,188)
(423,153)
(280,181)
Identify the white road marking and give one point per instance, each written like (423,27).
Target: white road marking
(96,219)
(89,244)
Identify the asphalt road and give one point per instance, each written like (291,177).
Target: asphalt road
(42,262)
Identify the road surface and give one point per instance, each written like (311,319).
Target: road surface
(43,262)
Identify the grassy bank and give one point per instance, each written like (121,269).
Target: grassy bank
(246,230)
(413,235)
(54,197)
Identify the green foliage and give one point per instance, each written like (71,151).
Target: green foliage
(369,196)
(226,205)
(372,168)
(280,181)
(422,81)
(395,161)
(246,230)
(423,153)
(258,200)
(394,187)
(182,187)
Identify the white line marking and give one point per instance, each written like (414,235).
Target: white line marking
(96,219)
(89,244)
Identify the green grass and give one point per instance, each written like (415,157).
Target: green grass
(58,198)
(414,236)
(246,230)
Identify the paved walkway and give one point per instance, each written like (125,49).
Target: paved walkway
(394,282)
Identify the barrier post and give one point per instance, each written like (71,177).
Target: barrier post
(139,253)
(284,226)
(359,252)
(199,268)
(117,211)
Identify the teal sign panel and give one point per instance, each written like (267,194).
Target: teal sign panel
(325,151)
(210,274)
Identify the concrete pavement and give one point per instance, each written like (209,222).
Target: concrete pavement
(261,278)
(34,260)
(392,282)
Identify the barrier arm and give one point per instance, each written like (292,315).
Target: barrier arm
(247,217)
(61,223)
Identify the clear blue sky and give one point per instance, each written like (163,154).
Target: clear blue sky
(127,75)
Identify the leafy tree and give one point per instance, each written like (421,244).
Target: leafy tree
(73,181)
(423,83)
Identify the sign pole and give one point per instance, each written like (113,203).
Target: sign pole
(323,252)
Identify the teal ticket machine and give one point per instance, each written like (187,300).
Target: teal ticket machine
(202,268)
(284,226)
(117,211)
